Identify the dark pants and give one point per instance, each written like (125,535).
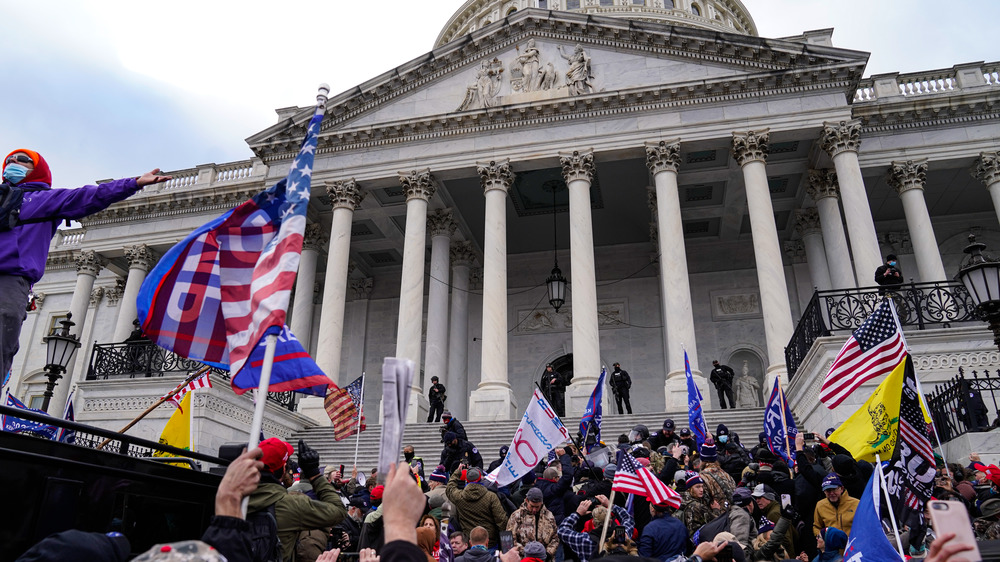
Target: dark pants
(623,395)
(723,393)
(558,400)
(13,311)
(434,415)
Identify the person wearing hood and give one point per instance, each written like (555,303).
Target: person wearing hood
(833,541)
(294,512)
(731,456)
(24,239)
(452,424)
(497,462)
(478,506)
(836,510)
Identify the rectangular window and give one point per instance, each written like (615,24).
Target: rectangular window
(639,2)
(35,402)
(572,4)
(543,4)
(607,2)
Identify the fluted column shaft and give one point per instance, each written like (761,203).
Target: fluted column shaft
(663,160)
(345,196)
(457,381)
(823,189)
(907,178)
(807,222)
(750,151)
(419,187)
(987,170)
(441,226)
(842,142)
(578,171)
(305,282)
(88,265)
(140,260)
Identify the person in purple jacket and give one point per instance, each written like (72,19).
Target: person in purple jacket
(25,247)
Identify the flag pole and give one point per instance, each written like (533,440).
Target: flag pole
(604,530)
(784,422)
(260,397)
(361,412)
(892,514)
(156,404)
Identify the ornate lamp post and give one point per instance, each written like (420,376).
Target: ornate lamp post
(59,349)
(981,276)
(556,282)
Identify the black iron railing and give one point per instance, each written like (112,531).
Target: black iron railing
(964,405)
(919,305)
(143,358)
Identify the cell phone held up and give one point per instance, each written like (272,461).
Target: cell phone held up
(506,540)
(952,517)
(809,436)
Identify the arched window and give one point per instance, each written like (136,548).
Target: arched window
(695,10)
(511,11)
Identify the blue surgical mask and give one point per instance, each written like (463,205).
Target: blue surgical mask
(723,439)
(892,263)
(14,173)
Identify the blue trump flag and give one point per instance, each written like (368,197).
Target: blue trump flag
(780,430)
(17,425)
(867,541)
(696,418)
(593,414)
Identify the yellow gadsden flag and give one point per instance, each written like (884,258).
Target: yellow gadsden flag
(874,427)
(177,432)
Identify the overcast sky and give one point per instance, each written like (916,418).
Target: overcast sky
(108,88)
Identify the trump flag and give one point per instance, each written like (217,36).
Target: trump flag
(214,296)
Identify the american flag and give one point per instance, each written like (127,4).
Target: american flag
(873,350)
(345,409)
(634,479)
(913,464)
(216,294)
(200,382)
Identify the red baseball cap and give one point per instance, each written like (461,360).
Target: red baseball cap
(276,453)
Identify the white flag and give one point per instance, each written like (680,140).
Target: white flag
(540,431)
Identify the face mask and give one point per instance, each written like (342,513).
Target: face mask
(14,173)
(892,263)
(408,456)
(723,439)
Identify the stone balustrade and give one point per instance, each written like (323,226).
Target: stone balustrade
(944,81)
(208,175)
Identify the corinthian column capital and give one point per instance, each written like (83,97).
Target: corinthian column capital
(496,175)
(750,146)
(462,253)
(987,168)
(822,184)
(844,136)
(89,262)
(663,156)
(345,194)
(577,166)
(440,223)
(906,175)
(314,238)
(807,221)
(140,256)
(418,184)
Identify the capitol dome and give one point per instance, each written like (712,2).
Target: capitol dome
(716,15)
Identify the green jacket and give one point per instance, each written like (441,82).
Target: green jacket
(295,512)
(477,507)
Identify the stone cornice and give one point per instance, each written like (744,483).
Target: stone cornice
(170,204)
(774,67)
(909,113)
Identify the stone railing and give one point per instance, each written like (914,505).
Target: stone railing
(949,80)
(208,175)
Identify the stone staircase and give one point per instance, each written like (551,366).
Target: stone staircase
(490,436)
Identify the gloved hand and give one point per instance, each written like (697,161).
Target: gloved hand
(789,512)
(308,460)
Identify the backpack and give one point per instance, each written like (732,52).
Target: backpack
(709,530)
(264,543)
(11,198)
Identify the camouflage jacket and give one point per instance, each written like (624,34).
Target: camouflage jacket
(719,485)
(695,512)
(540,527)
(986,529)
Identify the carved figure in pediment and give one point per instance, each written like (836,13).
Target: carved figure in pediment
(578,76)
(484,90)
(527,73)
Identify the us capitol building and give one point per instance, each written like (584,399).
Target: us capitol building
(693,182)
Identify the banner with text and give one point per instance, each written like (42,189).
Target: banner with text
(540,431)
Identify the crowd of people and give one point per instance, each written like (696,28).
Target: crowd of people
(737,504)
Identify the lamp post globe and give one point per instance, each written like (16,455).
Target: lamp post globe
(60,346)
(981,276)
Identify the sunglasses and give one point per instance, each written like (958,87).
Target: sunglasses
(19,158)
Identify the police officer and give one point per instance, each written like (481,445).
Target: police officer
(722,377)
(554,386)
(436,397)
(620,385)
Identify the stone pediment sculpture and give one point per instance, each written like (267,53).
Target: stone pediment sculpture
(534,62)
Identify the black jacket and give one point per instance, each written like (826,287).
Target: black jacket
(456,426)
(619,380)
(554,492)
(733,459)
(436,393)
(722,376)
(465,451)
(884,276)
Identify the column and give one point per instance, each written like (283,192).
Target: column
(494,399)
(824,191)
(987,170)
(663,159)
(578,171)
(88,265)
(907,178)
(140,260)
(345,196)
(842,142)
(750,151)
(457,381)
(313,242)
(440,227)
(419,186)
(808,226)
